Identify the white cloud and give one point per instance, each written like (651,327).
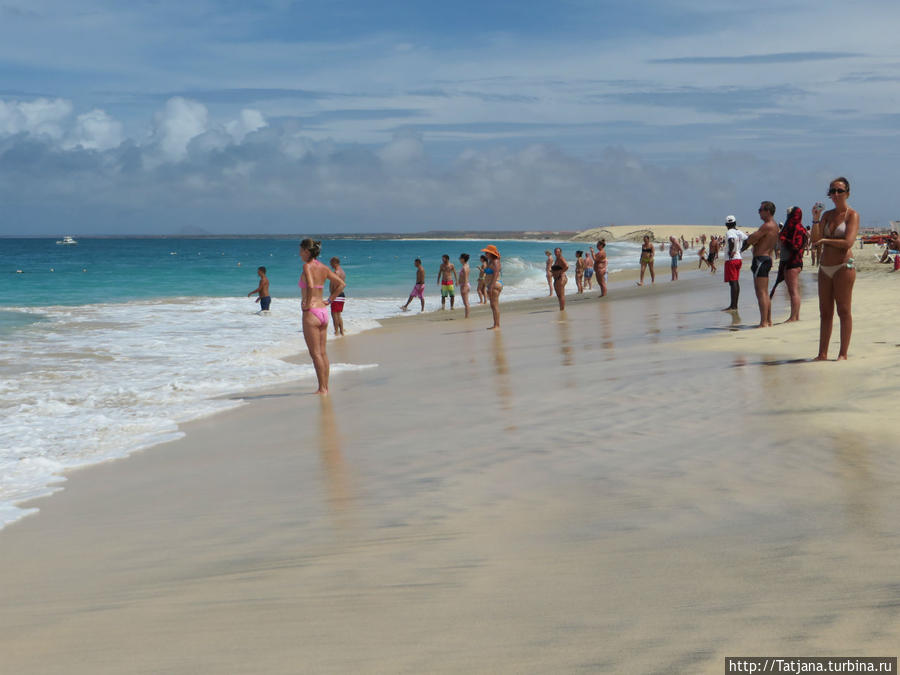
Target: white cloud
(226,173)
(403,149)
(248,122)
(96,130)
(180,121)
(40,117)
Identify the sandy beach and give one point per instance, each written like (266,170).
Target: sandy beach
(642,483)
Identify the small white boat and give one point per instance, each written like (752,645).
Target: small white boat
(66,241)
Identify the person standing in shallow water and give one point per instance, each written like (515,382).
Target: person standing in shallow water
(493,283)
(579,271)
(337,307)
(315,312)
(482,283)
(418,290)
(763,242)
(589,268)
(793,241)
(262,289)
(734,244)
(463,280)
(647,253)
(547,265)
(836,234)
(600,266)
(446,279)
(559,269)
(676,250)
(712,254)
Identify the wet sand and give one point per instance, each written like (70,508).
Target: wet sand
(640,484)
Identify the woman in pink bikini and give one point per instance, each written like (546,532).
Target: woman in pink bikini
(315,309)
(836,234)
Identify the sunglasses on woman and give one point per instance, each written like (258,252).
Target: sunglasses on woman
(836,191)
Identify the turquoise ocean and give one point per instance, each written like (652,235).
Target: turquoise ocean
(107,345)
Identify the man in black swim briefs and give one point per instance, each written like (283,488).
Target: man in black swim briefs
(763,242)
(761,266)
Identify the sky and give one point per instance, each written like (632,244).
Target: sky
(318,116)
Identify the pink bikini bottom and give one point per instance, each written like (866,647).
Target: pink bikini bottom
(320,313)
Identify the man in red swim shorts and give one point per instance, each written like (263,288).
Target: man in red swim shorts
(733,262)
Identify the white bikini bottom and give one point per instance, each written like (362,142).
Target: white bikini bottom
(830,270)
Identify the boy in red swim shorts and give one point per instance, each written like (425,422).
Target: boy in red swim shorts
(337,307)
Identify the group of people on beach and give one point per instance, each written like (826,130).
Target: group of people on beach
(830,241)
(587,266)
(832,237)
(648,255)
(488,286)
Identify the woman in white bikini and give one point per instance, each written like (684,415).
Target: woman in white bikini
(836,234)
(315,312)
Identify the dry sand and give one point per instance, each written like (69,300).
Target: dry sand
(639,484)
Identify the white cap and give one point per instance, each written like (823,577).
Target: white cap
(730,219)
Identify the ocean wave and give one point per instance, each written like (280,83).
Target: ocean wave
(95,382)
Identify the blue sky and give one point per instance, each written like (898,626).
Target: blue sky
(313,116)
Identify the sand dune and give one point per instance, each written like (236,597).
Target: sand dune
(659,233)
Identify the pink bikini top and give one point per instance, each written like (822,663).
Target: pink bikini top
(302,284)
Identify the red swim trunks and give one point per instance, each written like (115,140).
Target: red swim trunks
(733,269)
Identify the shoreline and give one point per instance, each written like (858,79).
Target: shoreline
(621,285)
(55,478)
(640,467)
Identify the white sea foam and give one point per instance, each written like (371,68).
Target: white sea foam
(96,382)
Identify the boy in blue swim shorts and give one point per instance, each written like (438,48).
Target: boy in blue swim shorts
(264,299)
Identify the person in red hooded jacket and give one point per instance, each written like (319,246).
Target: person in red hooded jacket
(792,239)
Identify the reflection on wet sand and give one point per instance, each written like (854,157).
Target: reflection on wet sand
(501,367)
(854,455)
(606,329)
(334,468)
(565,340)
(652,316)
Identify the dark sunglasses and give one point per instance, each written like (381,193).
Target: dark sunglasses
(836,191)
